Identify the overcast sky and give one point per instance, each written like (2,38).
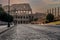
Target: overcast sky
(37,5)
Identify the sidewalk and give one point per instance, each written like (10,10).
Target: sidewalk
(2,28)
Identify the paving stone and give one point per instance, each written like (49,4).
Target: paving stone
(26,32)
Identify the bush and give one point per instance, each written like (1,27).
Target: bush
(50,17)
(35,19)
(6,17)
(30,18)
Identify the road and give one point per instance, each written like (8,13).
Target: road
(37,32)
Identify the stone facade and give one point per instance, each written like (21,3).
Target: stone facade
(20,12)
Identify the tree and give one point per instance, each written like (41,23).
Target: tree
(35,19)
(50,17)
(30,18)
(5,17)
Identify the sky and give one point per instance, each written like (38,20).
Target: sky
(36,5)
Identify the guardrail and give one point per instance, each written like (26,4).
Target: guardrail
(7,33)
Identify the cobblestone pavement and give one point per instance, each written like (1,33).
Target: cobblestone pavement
(33,32)
(29,32)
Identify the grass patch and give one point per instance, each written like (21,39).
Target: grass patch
(55,23)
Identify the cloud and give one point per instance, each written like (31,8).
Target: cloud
(5,2)
(37,5)
(18,1)
(51,1)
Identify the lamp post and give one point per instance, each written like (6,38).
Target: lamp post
(8,6)
(8,11)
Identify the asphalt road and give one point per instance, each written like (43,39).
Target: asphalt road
(37,32)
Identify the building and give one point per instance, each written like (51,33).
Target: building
(41,18)
(39,15)
(20,12)
(55,11)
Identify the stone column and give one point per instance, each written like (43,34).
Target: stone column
(55,11)
(52,11)
(28,12)
(58,11)
(31,11)
(47,11)
(17,16)
(20,12)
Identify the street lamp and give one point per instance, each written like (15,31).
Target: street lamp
(8,6)
(8,11)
